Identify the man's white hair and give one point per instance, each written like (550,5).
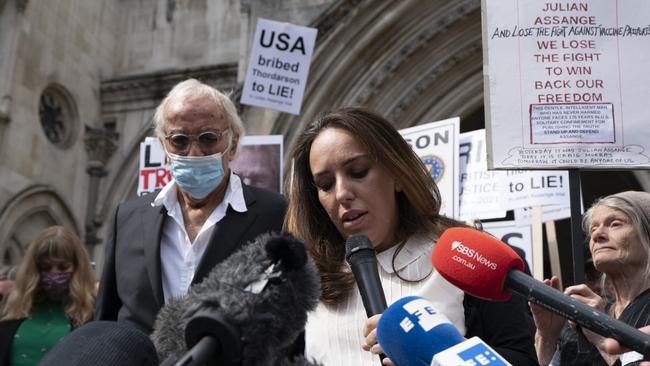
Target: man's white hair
(191,88)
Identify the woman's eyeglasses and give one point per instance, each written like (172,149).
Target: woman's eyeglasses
(207,140)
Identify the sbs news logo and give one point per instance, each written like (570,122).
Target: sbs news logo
(457,246)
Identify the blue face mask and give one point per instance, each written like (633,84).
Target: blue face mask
(197,175)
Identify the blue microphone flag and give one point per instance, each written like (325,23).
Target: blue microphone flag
(411,331)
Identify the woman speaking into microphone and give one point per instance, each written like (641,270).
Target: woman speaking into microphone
(355,174)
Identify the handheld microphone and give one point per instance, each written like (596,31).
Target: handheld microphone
(412,333)
(484,267)
(361,256)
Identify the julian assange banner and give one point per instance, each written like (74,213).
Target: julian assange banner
(566,83)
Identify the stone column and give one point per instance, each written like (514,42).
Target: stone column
(100,144)
(11,14)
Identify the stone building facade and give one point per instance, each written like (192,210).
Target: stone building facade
(79,81)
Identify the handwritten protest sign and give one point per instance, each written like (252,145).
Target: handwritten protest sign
(279,66)
(436,144)
(567,83)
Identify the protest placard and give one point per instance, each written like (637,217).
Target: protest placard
(566,83)
(480,195)
(259,162)
(518,236)
(436,144)
(153,170)
(524,215)
(522,188)
(486,194)
(278,66)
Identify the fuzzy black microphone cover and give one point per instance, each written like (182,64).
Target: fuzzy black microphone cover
(262,291)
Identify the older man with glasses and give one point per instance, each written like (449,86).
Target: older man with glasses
(160,244)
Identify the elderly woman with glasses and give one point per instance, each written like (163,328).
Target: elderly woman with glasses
(160,244)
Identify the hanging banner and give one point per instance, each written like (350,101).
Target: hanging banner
(279,66)
(436,144)
(566,84)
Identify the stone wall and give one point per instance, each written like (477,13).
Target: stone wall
(70,46)
(105,66)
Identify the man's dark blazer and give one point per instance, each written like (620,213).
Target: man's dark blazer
(131,286)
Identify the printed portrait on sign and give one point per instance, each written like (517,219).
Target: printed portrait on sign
(260,166)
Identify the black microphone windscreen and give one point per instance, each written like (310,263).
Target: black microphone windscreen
(259,296)
(103,343)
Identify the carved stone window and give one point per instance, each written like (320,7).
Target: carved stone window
(58,115)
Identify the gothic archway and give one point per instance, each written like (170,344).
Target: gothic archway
(29,212)
(413,61)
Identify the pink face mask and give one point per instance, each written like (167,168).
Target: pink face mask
(55,285)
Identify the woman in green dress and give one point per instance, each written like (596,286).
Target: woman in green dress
(54,294)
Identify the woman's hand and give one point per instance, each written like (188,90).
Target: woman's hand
(612,346)
(549,325)
(586,296)
(370,343)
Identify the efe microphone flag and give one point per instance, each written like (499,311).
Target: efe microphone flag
(413,333)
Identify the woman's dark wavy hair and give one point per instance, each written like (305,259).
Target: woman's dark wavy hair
(418,203)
